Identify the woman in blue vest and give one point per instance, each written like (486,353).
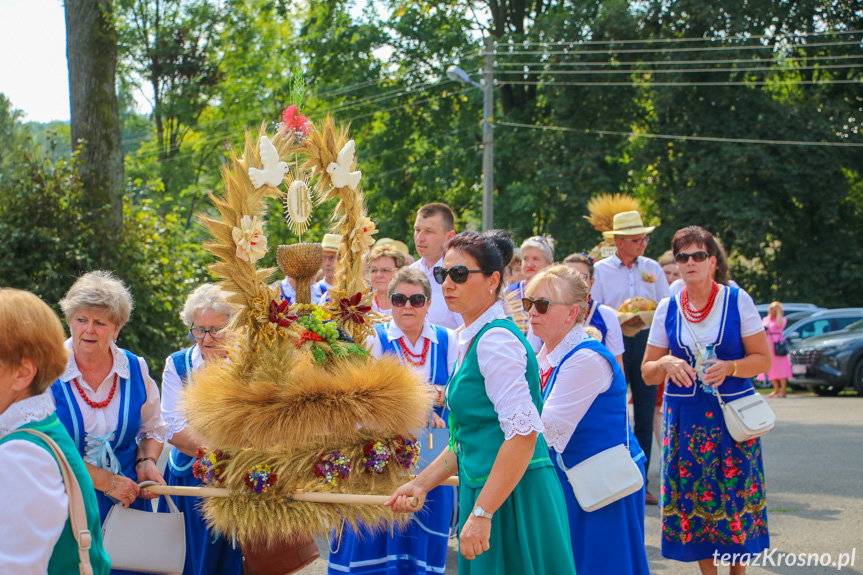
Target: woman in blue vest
(106,398)
(36,535)
(584,413)
(420,548)
(512,517)
(712,487)
(598,315)
(207,313)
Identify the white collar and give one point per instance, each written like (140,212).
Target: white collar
(121,364)
(467,332)
(570,341)
(618,262)
(28,410)
(394,332)
(427,269)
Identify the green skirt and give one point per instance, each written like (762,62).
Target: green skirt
(529,533)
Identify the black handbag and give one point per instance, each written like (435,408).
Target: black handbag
(780,348)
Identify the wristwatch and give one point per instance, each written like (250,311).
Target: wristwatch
(480,512)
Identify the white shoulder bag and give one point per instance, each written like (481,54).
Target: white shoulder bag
(131,536)
(746,418)
(605,477)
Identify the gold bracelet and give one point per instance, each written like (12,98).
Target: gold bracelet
(734,373)
(113,477)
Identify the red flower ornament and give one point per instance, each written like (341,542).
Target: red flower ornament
(352,310)
(279,313)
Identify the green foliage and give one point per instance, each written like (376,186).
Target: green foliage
(46,228)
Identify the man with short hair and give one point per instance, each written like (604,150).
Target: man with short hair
(435,225)
(625,275)
(330,243)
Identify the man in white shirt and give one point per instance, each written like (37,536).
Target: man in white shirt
(434,227)
(330,243)
(625,275)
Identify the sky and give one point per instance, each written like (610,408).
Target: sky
(33,73)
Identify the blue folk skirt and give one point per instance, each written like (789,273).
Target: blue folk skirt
(713,495)
(419,548)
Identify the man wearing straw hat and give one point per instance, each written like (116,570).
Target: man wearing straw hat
(626,275)
(330,243)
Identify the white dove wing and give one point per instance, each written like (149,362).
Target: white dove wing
(269,154)
(346,156)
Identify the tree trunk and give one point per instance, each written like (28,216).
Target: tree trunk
(91,51)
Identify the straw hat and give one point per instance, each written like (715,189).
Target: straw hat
(400,246)
(628,224)
(331,242)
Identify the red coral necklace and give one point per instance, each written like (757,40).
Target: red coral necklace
(697,315)
(90,402)
(409,355)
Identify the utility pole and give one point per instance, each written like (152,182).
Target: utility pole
(488,137)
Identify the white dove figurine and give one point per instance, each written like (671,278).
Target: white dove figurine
(340,170)
(274,171)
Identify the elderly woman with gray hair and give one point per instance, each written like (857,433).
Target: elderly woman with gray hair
(207,313)
(106,398)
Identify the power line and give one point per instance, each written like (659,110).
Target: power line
(682,84)
(450,95)
(619,63)
(685,71)
(669,50)
(678,40)
(588,132)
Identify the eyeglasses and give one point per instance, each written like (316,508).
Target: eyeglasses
(645,240)
(374,271)
(458,274)
(400,299)
(541,304)
(683,257)
(201,333)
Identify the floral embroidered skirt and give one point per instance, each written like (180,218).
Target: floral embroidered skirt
(713,496)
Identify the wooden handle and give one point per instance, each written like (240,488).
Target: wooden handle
(344,498)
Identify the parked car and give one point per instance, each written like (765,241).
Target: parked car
(827,364)
(787,308)
(821,322)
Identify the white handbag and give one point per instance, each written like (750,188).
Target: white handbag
(144,541)
(748,417)
(605,477)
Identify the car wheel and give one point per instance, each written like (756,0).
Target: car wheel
(761,384)
(858,377)
(826,390)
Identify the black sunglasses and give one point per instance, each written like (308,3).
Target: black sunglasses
(683,257)
(541,304)
(458,274)
(400,299)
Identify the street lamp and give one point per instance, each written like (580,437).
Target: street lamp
(458,75)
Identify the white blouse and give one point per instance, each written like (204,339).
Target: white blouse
(706,331)
(105,420)
(502,362)
(428,333)
(35,504)
(579,381)
(172,390)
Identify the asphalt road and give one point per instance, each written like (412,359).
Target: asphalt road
(814,473)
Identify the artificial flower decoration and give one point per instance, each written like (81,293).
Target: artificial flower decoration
(210,467)
(295,122)
(352,310)
(408,452)
(260,478)
(376,456)
(250,239)
(648,278)
(362,236)
(279,313)
(332,467)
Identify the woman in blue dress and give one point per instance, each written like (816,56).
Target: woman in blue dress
(713,495)
(421,547)
(584,413)
(207,313)
(106,399)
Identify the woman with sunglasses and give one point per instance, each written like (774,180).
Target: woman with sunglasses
(431,350)
(207,313)
(584,413)
(537,253)
(712,487)
(511,507)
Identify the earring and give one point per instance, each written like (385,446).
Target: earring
(491,291)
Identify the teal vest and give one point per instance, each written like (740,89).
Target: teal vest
(476,435)
(64,559)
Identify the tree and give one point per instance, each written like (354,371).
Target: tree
(91,49)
